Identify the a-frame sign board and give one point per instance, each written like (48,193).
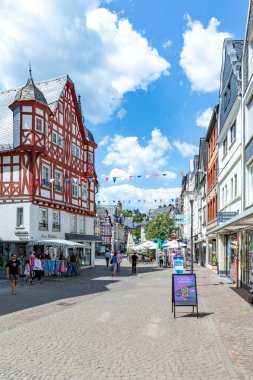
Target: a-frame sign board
(184,291)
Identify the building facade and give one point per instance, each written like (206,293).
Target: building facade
(47,169)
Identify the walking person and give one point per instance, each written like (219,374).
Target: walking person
(27,272)
(160,258)
(107,257)
(13,269)
(134,260)
(119,261)
(32,258)
(72,265)
(37,269)
(114,262)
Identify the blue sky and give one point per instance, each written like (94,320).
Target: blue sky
(148,73)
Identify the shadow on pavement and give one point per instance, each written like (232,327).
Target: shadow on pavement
(190,315)
(243,293)
(91,281)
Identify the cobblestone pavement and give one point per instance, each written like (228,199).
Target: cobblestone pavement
(99,327)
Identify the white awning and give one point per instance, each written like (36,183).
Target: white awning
(56,243)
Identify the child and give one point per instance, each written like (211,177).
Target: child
(27,272)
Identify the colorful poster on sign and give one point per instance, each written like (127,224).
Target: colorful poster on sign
(184,288)
(178,265)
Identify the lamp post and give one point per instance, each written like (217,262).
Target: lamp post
(190,196)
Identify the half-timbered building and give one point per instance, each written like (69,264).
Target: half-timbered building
(47,175)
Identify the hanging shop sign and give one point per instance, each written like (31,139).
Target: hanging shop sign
(225,216)
(184,291)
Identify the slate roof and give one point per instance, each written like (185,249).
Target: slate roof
(47,92)
(30,92)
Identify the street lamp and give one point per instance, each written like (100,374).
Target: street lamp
(191,196)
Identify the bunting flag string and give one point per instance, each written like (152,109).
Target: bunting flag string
(114,179)
(161,200)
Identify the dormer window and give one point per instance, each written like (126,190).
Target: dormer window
(39,124)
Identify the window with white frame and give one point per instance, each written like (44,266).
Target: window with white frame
(56,221)
(235,185)
(73,223)
(58,181)
(77,152)
(225,146)
(90,158)
(233,133)
(45,175)
(223,198)
(20,216)
(74,187)
(82,225)
(43,219)
(84,191)
(231,189)
(73,118)
(60,107)
(73,149)
(39,124)
(57,139)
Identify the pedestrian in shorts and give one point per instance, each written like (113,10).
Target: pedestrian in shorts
(13,269)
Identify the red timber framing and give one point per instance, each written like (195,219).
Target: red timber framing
(61,147)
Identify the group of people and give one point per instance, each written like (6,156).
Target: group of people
(116,259)
(33,268)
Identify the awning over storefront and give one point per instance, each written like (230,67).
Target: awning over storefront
(56,243)
(84,237)
(241,221)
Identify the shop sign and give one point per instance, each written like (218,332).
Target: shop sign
(225,216)
(184,291)
(22,235)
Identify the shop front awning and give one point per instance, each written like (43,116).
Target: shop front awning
(56,243)
(84,237)
(242,221)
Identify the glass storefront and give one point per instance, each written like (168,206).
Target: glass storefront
(231,263)
(247,258)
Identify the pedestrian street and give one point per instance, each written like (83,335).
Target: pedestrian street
(98,326)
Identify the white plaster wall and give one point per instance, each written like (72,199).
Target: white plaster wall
(8,217)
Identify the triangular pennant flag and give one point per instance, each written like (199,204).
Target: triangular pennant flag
(59,180)
(98,202)
(161,200)
(114,201)
(156,175)
(44,181)
(114,179)
(106,178)
(164,174)
(90,179)
(172,200)
(182,173)
(207,170)
(130,177)
(139,200)
(155,200)
(139,176)
(189,173)
(36,181)
(67,180)
(144,200)
(129,201)
(51,180)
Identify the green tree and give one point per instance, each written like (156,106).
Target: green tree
(161,226)
(137,233)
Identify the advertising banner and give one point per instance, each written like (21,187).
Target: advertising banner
(184,289)
(178,265)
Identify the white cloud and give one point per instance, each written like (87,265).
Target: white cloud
(186,149)
(167,44)
(105,140)
(121,113)
(127,192)
(203,119)
(201,55)
(127,154)
(102,53)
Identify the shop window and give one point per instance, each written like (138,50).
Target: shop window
(20,217)
(43,219)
